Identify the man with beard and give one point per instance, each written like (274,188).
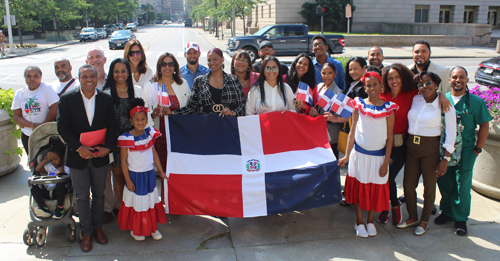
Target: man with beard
(421,57)
(96,58)
(266,49)
(192,69)
(66,81)
(456,184)
(375,57)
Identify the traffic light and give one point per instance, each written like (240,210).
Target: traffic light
(321,10)
(325,9)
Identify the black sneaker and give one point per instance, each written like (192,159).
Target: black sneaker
(434,210)
(58,213)
(42,212)
(460,228)
(402,198)
(442,219)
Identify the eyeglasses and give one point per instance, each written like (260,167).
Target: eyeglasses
(426,84)
(318,45)
(242,60)
(135,53)
(274,68)
(169,64)
(266,49)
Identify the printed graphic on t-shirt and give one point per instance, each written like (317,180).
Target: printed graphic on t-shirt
(32,106)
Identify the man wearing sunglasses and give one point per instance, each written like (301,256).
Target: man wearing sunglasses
(421,58)
(455,185)
(266,49)
(192,69)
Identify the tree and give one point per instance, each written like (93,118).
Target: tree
(26,14)
(335,14)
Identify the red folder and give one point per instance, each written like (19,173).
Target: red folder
(93,138)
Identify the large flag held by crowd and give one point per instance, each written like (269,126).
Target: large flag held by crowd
(249,166)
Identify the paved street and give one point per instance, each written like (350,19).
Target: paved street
(318,234)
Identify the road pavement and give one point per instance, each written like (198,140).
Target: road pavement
(325,233)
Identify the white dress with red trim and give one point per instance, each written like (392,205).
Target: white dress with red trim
(141,210)
(363,185)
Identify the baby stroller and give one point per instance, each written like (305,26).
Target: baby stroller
(36,232)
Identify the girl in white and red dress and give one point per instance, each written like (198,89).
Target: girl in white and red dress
(141,209)
(369,146)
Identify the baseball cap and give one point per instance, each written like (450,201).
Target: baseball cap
(191,45)
(264,43)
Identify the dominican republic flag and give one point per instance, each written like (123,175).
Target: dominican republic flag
(163,99)
(326,100)
(305,93)
(249,166)
(343,105)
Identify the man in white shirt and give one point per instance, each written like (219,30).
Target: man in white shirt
(66,81)
(421,58)
(96,58)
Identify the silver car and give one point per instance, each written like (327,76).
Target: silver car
(101,33)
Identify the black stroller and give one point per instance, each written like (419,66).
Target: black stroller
(36,232)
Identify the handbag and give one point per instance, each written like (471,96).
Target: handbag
(398,140)
(457,154)
(344,132)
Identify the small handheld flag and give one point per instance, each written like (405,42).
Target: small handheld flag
(326,100)
(342,105)
(305,93)
(163,99)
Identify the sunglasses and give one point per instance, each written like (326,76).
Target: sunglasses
(426,84)
(169,64)
(135,53)
(242,60)
(274,69)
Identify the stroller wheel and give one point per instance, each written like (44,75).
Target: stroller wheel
(28,238)
(70,233)
(41,236)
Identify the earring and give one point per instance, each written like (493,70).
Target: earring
(175,72)
(222,66)
(248,69)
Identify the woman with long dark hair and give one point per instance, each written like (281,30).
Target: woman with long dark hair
(121,88)
(241,67)
(354,70)
(269,93)
(141,72)
(301,70)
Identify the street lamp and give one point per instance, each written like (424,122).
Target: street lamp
(9,26)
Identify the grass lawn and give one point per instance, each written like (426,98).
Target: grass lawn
(350,33)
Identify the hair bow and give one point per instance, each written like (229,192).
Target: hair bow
(138,109)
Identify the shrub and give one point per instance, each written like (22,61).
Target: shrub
(66,36)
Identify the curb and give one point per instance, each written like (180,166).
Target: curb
(37,51)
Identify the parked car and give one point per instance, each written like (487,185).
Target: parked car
(119,26)
(110,28)
(164,22)
(88,33)
(287,39)
(131,26)
(488,73)
(120,38)
(101,33)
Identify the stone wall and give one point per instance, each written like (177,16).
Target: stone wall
(408,40)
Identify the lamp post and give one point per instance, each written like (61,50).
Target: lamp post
(9,26)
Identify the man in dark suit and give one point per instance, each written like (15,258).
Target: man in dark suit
(83,110)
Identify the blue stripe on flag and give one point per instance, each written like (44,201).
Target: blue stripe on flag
(207,132)
(301,189)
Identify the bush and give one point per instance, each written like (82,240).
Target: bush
(29,45)
(343,59)
(59,37)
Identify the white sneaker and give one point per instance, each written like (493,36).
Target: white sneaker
(372,230)
(360,230)
(157,235)
(138,238)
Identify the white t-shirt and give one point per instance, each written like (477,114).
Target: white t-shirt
(53,171)
(456,99)
(59,86)
(34,104)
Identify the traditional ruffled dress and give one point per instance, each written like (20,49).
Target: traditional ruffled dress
(363,185)
(141,210)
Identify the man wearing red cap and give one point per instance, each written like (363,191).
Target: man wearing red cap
(192,69)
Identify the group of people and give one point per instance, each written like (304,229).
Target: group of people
(400,114)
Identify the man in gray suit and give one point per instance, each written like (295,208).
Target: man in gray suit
(421,58)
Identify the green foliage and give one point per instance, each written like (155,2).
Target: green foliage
(6,98)
(335,14)
(343,59)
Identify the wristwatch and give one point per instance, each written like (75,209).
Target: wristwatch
(448,158)
(478,150)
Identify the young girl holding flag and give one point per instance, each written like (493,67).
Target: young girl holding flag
(369,148)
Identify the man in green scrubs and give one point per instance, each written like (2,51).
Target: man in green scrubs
(455,185)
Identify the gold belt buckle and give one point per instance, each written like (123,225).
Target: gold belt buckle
(217,108)
(416,140)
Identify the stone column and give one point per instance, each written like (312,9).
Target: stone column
(482,14)
(434,13)
(458,14)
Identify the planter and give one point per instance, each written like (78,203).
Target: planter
(8,163)
(486,173)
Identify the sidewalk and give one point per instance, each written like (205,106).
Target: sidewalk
(42,46)
(390,52)
(318,234)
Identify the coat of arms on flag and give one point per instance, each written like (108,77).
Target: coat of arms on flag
(343,105)
(249,166)
(305,93)
(326,100)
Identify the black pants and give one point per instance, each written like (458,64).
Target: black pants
(40,193)
(334,149)
(25,140)
(398,157)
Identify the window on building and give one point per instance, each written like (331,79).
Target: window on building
(493,17)
(422,13)
(470,14)
(445,13)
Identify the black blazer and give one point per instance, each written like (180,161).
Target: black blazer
(73,122)
(358,91)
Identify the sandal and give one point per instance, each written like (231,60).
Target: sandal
(344,203)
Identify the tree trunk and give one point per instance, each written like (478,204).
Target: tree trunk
(20,33)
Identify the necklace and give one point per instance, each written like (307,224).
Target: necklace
(171,82)
(122,89)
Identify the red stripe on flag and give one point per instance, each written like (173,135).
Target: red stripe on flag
(213,195)
(291,131)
